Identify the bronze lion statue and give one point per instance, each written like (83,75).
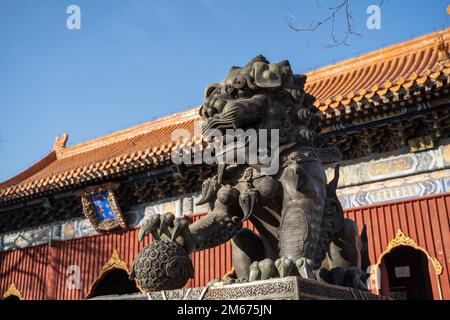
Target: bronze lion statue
(300,222)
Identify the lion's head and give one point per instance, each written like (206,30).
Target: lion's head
(262,95)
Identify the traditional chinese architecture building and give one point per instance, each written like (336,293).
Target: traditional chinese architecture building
(68,224)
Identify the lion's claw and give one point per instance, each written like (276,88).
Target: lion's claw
(282,267)
(169,228)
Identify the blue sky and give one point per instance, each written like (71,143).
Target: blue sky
(135,60)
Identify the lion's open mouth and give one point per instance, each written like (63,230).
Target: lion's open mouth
(233,118)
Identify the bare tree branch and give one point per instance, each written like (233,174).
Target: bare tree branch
(338,38)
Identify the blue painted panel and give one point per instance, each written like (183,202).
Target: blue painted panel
(102,206)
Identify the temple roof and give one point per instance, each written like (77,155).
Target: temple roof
(381,74)
(340,87)
(144,145)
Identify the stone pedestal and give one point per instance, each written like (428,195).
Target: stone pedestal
(289,288)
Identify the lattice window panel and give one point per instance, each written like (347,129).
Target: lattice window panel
(402,272)
(399,295)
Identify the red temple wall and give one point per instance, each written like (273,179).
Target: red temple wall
(27,269)
(425,220)
(40,272)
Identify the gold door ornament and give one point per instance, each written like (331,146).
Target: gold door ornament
(403,240)
(12,291)
(114,262)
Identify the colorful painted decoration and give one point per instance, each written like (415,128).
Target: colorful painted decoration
(100,206)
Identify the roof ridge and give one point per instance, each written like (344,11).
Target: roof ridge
(30,171)
(129,133)
(382,54)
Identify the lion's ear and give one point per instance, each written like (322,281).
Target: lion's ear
(210,89)
(267,75)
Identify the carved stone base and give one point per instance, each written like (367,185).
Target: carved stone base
(289,288)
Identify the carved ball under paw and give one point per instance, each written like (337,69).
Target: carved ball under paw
(162,265)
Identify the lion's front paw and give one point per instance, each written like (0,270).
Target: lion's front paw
(263,270)
(282,267)
(351,277)
(285,267)
(305,269)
